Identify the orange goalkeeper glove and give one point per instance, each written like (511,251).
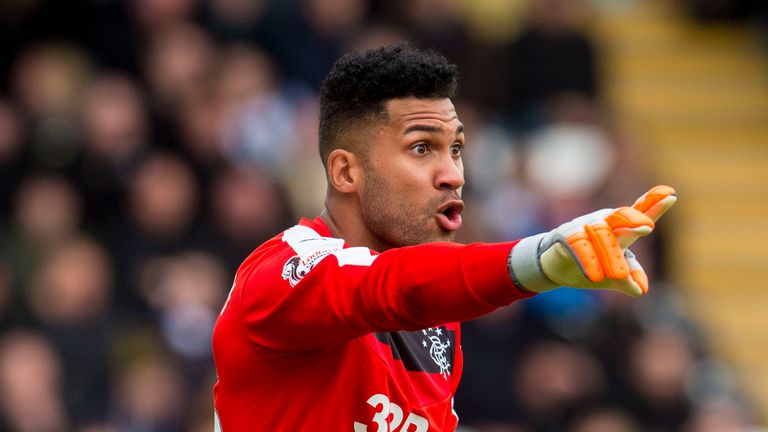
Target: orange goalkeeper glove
(591,251)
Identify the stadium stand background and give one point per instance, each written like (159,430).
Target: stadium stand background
(146,146)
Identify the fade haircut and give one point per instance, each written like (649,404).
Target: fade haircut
(360,83)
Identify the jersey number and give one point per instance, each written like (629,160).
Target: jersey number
(389,416)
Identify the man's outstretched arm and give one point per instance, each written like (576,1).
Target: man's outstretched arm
(352,292)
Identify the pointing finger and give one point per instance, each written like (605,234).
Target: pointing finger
(656,201)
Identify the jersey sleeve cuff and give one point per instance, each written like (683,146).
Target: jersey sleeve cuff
(490,279)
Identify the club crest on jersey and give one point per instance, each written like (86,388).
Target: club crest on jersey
(439,344)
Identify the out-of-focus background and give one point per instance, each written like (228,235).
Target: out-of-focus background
(147,146)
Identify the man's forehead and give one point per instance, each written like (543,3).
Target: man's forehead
(403,112)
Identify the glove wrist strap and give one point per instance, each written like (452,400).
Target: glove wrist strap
(525,266)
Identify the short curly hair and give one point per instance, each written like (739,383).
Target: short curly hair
(360,83)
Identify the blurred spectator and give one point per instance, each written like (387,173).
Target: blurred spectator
(30,382)
(197,125)
(552,57)
(178,58)
(46,212)
(115,133)
(149,396)
(660,363)
(160,218)
(319,31)
(610,338)
(70,297)
(163,198)
(266,126)
(49,76)
(493,345)
(552,380)
(73,285)
(186,292)
(48,79)
(510,207)
(47,209)
(304,177)
(566,164)
(248,208)
(257,123)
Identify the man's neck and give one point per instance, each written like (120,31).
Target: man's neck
(330,222)
(346,224)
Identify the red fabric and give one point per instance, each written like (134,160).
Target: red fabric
(318,336)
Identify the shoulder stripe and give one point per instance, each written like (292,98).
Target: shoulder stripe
(359,256)
(311,247)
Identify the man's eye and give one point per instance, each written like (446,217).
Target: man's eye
(420,149)
(456,149)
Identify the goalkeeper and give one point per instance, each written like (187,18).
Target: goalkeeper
(350,321)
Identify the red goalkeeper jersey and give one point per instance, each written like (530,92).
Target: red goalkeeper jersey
(320,336)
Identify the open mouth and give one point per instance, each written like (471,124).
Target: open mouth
(449,215)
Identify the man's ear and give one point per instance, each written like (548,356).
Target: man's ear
(344,171)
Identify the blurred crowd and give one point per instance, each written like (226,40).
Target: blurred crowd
(147,146)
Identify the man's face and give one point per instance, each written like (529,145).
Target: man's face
(414,174)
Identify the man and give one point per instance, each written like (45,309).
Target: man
(349,322)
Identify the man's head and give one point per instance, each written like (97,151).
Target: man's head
(391,143)
(354,93)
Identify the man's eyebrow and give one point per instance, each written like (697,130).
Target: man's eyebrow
(430,129)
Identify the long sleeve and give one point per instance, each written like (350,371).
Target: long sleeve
(304,291)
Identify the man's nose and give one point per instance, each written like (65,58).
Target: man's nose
(450,173)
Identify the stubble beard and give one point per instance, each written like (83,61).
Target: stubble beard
(393,221)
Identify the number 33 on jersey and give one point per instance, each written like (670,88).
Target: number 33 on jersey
(389,418)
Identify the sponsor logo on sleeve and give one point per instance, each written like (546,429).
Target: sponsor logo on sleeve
(296,268)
